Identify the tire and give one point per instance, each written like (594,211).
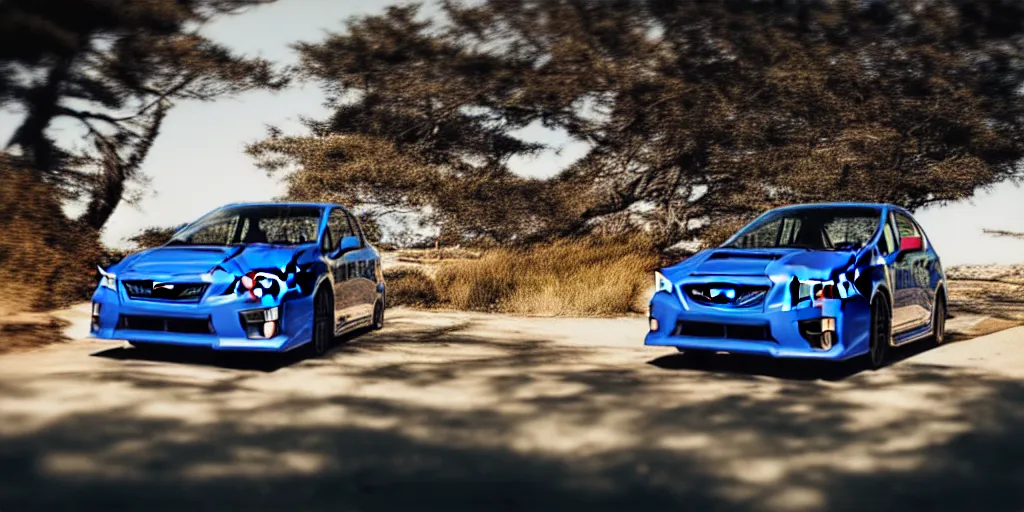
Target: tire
(323,326)
(881,333)
(378,315)
(939,320)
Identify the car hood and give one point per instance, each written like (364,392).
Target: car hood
(762,262)
(193,260)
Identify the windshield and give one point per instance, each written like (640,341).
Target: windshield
(829,228)
(266,224)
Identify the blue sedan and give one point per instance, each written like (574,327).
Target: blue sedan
(819,281)
(256,277)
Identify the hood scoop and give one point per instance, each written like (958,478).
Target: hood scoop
(728,263)
(731,255)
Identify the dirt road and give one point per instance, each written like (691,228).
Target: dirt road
(455,411)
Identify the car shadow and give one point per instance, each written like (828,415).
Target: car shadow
(259,361)
(787,369)
(267,362)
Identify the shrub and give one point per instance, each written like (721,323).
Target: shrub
(49,260)
(576,277)
(409,287)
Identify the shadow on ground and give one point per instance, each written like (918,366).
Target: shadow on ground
(399,421)
(789,369)
(254,361)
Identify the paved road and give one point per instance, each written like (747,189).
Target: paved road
(453,411)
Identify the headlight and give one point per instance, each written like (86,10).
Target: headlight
(259,284)
(107,279)
(661,283)
(815,290)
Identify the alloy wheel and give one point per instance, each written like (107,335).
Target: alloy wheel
(322,330)
(881,332)
(939,321)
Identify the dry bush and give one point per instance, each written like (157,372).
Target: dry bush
(409,287)
(576,277)
(437,255)
(50,260)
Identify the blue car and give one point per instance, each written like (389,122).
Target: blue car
(255,277)
(818,281)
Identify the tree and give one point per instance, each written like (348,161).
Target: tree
(1003,233)
(153,236)
(114,67)
(694,110)
(412,138)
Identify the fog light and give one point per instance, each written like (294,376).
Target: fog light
(95,316)
(261,323)
(269,329)
(828,333)
(270,315)
(828,324)
(654,324)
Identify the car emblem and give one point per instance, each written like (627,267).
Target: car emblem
(729,293)
(163,286)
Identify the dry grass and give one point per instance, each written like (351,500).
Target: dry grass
(409,286)
(582,277)
(433,256)
(995,290)
(50,261)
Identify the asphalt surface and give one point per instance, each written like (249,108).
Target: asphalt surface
(456,411)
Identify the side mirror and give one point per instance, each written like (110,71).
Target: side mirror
(348,243)
(911,243)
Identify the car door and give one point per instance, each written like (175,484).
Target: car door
(364,283)
(343,269)
(927,263)
(912,303)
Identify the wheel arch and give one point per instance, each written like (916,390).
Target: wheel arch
(882,291)
(940,290)
(320,285)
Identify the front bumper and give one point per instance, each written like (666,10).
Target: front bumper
(785,341)
(222,313)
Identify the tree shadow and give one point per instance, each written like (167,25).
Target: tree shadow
(405,421)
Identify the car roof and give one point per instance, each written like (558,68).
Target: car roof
(285,203)
(878,206)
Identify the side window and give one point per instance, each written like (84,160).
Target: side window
(357,230)
(888,241)
(905,226)
(337,224)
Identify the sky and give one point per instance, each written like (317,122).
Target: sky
(198,164)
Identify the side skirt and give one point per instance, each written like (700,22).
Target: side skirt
(911,336)
(359,323)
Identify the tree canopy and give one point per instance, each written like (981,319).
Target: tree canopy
(114,67)
(693,110)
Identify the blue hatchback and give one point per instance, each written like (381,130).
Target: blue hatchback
(262,277)
(818,281)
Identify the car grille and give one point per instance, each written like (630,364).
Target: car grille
(166,324)
(742,296)
(184,292)
(720,330)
